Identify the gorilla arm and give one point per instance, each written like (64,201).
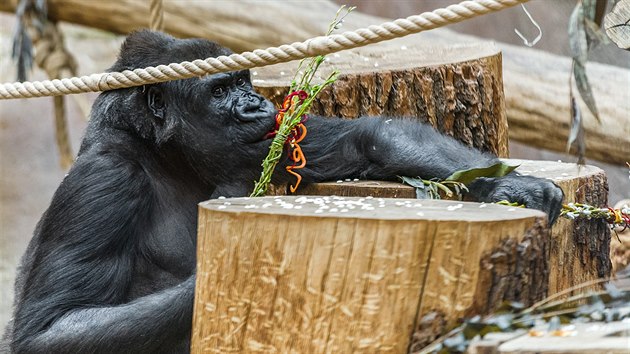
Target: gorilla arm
(75,284)
(375,148)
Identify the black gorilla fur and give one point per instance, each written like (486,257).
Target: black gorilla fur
(111,266)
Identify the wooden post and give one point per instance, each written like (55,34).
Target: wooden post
(340,275)
(579,249)
(457,89)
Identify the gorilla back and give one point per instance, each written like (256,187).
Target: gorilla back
(111,266)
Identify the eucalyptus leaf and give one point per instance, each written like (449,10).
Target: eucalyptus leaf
(576,136)
(589,8)
(491,328)
(455,342)
(509,307)
(595,33)
(613,304)
(584,87)
(554,324)
(499,169)
(433,192)
(594,10)
(473,329)
(414,182)
(577,35)
(422,191)
(613,291)
(504,321)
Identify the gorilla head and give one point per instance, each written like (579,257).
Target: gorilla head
(206,120)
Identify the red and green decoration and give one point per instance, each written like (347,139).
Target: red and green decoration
(290,129)
(615,217)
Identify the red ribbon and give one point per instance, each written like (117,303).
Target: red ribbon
(297,134)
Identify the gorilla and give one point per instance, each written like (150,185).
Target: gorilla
(111,265)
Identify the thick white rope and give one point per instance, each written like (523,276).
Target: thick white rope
(315,46)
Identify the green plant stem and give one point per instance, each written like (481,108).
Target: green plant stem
(296,109)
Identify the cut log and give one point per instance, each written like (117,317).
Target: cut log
(616,24)
(231,23)
(536,83)
(328,274)
(591,338)
(620,250)
(457,89)
(579,249)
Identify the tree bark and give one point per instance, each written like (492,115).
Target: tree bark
(456,89)
(579,249)
(275,274)
(536,83)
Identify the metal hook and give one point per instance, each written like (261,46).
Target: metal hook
(525,40)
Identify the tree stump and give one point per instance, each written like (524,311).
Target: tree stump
(331,274)
(457,89)
(579,249)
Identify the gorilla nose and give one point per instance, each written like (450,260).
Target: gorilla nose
(251,107)
(254,101)
(252,104)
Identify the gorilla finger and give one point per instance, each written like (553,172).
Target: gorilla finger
(553,202)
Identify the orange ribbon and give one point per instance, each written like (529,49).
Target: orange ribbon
(297,156)
(298,133)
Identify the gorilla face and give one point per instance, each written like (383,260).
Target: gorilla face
(212,121)
(246,116)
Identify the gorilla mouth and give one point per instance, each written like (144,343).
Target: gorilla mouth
(270,132)
(273,131)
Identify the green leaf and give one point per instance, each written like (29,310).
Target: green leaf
(414,182)
(499,169)
(577,35)
(456,342)
(418,184)
(594,33)
(472,329)
(576,136)
(584,87)
(594,10)
(510,307)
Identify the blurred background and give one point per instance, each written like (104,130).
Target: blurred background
(29,162)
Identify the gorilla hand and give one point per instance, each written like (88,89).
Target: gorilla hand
(533,192)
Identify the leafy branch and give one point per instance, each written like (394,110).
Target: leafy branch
(295,107)
(610,304)
(455,184)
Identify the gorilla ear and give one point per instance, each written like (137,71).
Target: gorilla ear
(156,102)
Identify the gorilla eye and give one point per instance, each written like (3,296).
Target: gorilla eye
(218,91)
(240,81)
